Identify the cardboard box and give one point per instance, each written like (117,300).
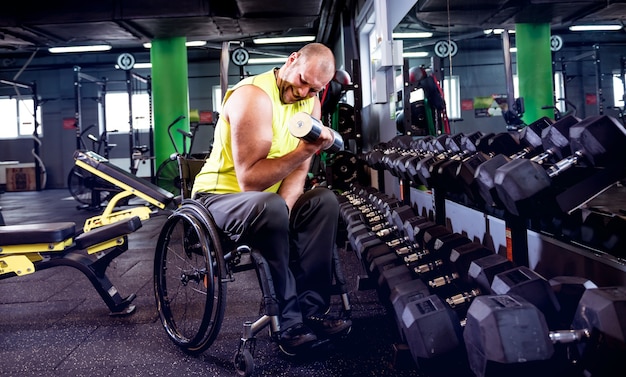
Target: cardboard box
(21,179)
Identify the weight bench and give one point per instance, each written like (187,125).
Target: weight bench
(128,183)
(27,248)
(193,263)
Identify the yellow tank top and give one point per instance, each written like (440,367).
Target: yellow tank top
(218,173)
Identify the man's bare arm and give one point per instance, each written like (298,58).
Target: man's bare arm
(249,112)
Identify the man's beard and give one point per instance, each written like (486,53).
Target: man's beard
(284,89)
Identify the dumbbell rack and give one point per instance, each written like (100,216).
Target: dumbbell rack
(549,255)
(430,277)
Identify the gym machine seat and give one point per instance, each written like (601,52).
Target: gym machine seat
(128,183)
(25,249)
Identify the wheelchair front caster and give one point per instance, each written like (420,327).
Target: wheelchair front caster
(244,363)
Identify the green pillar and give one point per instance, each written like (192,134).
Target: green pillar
(170,97)
(534,70)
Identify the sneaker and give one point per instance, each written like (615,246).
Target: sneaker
(328,325)
(295,338)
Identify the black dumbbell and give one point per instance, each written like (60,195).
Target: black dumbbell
(424,170)
(507,335)
(447,172)
(525,282)
(533,137)
(431,324)
(556,144)
(524,187)
(404,293)
(569,290)
(403,272)
(434,335)
(483,270)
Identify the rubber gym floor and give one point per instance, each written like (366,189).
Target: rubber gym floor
(53,323)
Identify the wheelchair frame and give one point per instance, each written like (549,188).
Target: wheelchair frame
(194,261)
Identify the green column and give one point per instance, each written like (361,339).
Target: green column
(170,97)
(534,69)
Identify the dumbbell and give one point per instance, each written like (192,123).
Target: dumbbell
(445,273)
(396,274)
(413,230)
(304,126)
(524,282)
(452,279)
(418,149)
(447,171)
(373,158)
(532,135)
(524,186)
(431,327)
(506,334)
(434,335)
(569,290)
(422,170)
(442,170)
(556,143)
(384,238)
(483,270)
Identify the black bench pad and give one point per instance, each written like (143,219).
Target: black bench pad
(36,233)
(108,232)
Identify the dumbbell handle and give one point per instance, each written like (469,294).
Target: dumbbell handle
(543,157)
(569,336)
(564,164)
(306,127)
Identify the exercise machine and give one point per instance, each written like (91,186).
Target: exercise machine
(25,249)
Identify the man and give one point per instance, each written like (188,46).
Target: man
(253,185)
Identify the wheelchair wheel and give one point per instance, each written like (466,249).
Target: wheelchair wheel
(244,363)
(168,176)
(189,287)
(79,184)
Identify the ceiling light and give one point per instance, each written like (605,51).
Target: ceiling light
(266,60)
(195,43)
(418,54)
(304,38)
(92,48)
(497,31)
(188,44)
(138,65)
(425,34)
(595,27)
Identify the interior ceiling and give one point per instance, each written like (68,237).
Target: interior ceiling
(26,25)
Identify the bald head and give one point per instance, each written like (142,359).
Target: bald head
(321,57)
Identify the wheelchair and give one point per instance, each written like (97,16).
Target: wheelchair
(193,263)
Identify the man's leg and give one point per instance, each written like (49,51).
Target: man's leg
(313,229)
(261,221)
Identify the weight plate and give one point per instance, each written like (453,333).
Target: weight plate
(345,169)
(345,122)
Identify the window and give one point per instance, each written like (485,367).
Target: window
(117,111)
(217,98)
(17,118)
(452,94)
(618,91)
